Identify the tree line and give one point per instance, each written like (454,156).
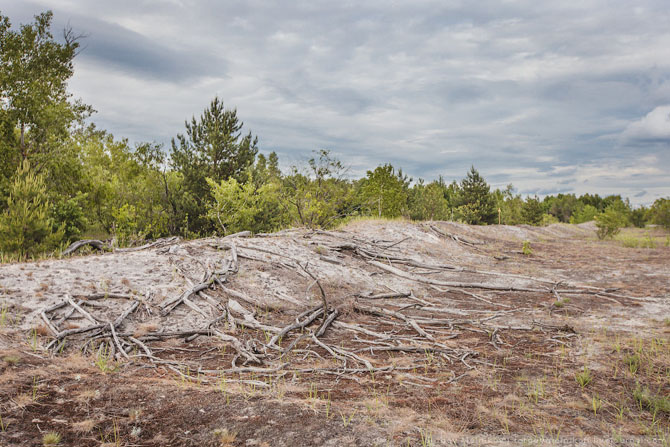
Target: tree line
(62,178)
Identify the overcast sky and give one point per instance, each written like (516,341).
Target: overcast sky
(550,96)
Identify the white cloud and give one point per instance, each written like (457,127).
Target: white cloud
(654,126)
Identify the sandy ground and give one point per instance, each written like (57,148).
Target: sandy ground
(576,303)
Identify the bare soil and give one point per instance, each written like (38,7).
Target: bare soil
(479,344)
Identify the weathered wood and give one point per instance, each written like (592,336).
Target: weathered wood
(465,285)
(97,244)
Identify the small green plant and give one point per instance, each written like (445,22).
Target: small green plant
(223,387)
(114,439)
(649,242)
(596,404)
(313,393)
(4,313)
(12,360)
(633,362)
(584,377)
(654,403)
(535,390)
(3,426)
(51,438)
(561,302)
(35,390)
(104,360)
(346,420)
(33,341)
(426,438)
(525,249)
(328,405)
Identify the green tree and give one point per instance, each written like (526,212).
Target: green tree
(583,213)
(660,212)
(26,227)
(317,196)
(213,147)
(639,216)
(532,211)
(510,205)
(384,192)
(36,111)
(428,202)
(476,204)
(561,206)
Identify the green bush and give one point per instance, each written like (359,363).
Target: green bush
(244,206)
(26,226)
(609,223)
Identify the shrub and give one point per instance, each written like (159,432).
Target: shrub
(609,223)
(548,219)
(243,206)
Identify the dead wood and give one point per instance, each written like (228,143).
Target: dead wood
(407,275)
(323,296)
(94,243)
(163,242)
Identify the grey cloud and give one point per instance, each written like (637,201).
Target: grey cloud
(116,47)
(528,92)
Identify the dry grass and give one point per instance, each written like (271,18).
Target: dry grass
(85,426)
(224,437)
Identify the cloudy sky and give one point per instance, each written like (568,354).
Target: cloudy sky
(550,96)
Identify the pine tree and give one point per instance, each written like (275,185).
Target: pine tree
(25,226)
(532,211)
(476,203)
(214,148)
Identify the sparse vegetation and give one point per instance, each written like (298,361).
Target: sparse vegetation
(652,402)
(584,377)
(560,303)
(51,438)
(225,437)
